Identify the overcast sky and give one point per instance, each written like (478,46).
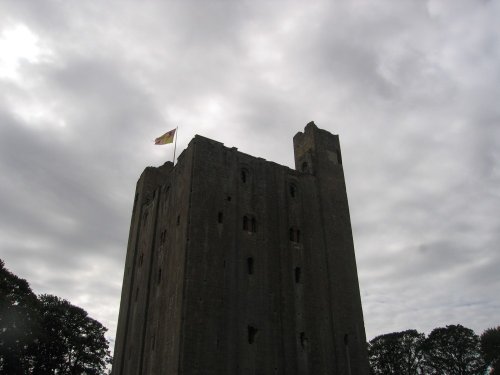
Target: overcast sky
(411,87)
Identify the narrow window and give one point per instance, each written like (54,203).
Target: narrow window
(346,343)
(304,166)
(293,190)
(245,223)
(141,258)
(294,235)
(254,225)
(178,219)
(303,340)
(243,175)
(159,275)
(297,275)
(219,218)
(250,266)
(252,332)
(229,198)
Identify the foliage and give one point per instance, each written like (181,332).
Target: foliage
(73,342)
(396,353)
(18,323)
(46,335)
(490,347)
(453,350)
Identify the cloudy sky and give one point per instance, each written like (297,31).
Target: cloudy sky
(412,87)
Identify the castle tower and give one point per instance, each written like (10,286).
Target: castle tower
(237,265)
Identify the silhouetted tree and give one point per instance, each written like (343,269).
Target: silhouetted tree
(19,325)
(490,347)
(73,342)
(453,350)
(396,353)
(46,335)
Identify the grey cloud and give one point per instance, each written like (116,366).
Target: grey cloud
(410,88)
(47,180)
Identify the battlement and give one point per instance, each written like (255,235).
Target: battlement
(316,149)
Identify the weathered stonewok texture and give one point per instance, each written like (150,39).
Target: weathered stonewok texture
(238,265)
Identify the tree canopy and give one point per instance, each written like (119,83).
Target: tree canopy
(396,353)
(450,350)
(47,334)
(453,350)
(490,347)
(18,322)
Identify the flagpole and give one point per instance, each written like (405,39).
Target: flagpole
(175,144)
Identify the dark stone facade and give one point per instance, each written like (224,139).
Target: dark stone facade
(237,265)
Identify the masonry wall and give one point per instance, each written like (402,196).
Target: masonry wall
(167,282)
(147,340)
(132,307)
(232,302)
(247,266)
(321,152)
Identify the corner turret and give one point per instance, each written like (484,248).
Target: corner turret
(316,150)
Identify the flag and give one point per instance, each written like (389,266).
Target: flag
(168,137)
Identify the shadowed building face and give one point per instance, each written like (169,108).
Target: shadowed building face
(237,265)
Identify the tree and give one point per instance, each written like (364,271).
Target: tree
(46,335)
(490,347)
(453,350)
(72,343)
(396,353)
(19,325)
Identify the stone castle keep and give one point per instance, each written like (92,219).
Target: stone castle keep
(237,265)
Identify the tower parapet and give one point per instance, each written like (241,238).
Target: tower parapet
(316,149)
